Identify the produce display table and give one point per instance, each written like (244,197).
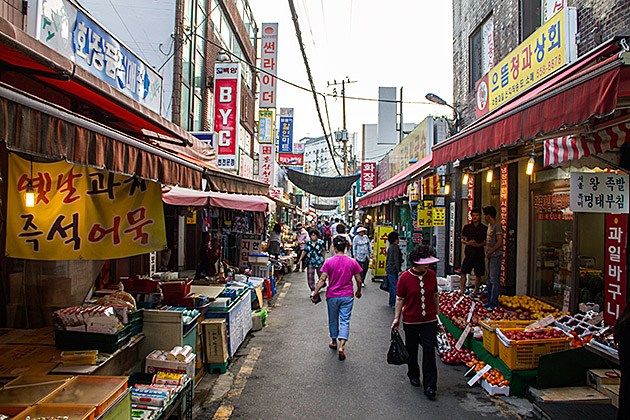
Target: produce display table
(519,380)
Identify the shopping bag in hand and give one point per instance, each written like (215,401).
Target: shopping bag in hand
(397,354)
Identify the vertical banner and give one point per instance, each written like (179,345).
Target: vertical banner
(425,214)
(268,62)
(368,176)
(551,7)
(615,266)
(226,112)
(380,250)
(266,164)
(265,126)
(471,197)
(81,213)
(451,226)
(285,136)
(503,216)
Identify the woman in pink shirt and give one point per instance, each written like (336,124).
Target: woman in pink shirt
(340,269)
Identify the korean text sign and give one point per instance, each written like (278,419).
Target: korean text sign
(250,244)
(425,214)
(81,213)
(615,266)
(269,63)
(541,54)
(265,126)
(599,192)
(368,176)
(290,159)
(285,137)
(380,249)
(66,29)
(266,164)
(226,121)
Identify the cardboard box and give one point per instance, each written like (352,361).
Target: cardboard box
(215,343)
(186,367)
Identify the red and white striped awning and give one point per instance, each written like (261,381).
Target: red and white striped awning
(564,149)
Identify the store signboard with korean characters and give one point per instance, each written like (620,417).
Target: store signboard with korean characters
(604,192)
(226,111)
(543,53)
(269,65)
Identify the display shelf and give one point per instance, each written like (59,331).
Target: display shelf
(180,405)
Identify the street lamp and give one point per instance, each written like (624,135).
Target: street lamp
(437,100)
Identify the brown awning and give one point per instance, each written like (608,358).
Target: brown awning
(31,126)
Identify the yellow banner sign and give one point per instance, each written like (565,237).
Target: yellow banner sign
(81,213)
(439,216)
(542,53)
(380,249)
(425,214)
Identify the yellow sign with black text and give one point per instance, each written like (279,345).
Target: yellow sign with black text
(380,250)
(439,216)
(81,213)
(425,214)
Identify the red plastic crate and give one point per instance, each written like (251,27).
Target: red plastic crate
(175,289)
(137,285)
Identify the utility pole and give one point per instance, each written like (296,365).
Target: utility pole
(402,129)
(344,133)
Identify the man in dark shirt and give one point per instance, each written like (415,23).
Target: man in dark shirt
(474,237)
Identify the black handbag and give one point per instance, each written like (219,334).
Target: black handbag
(384,286)
(397,354)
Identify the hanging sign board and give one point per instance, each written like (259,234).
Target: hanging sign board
(425,214)
(615,266)
(380,249)
(439,216)
(265,126)
(269,63)
(81,213)
(599,192)
(226,112)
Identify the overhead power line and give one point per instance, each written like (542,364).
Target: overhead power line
(298,33)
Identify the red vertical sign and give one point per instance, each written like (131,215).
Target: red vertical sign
(615,266)
(368,176)
(503,200)
(226,111)
(471,196)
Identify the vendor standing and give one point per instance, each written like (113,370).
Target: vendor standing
(275,241)
(474,237)
(209,255)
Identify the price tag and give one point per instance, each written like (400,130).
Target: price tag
(470,314)
(458,301)
(479,375)
(462,338)
(567,300)
(549,319)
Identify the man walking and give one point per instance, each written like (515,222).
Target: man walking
(362,251)
(494,254)
(474,237)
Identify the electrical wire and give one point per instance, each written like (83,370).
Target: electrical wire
(298,33)
(125,25)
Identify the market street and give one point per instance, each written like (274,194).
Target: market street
(296,375)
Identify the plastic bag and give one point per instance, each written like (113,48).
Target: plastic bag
(397,354)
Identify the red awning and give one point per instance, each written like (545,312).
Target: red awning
(586,89)
(184,197)
(394,187)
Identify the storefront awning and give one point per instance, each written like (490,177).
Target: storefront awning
(570,148)
(587,89)
(394,187)
(185,197)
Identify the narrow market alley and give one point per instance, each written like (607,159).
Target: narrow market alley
(287,371)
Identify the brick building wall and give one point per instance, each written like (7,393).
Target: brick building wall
(11,11)
(598,21)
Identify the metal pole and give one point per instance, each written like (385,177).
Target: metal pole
(402,135)
(345,143)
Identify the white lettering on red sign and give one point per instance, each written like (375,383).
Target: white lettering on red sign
(615,272)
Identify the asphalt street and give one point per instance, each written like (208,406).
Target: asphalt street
(287,371)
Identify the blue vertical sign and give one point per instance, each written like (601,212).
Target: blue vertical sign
(286,130)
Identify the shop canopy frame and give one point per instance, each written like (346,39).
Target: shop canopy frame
(396,186)
(549,109)
(177,196)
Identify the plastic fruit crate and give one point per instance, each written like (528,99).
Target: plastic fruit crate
(95,391)
(104,343)
(490,341)
(138,285)
(175,289)
(524,354)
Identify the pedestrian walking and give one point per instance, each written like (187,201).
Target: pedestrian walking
(327,235)
(275,241)
(340,270)
(622,338)
(474,237)
(362,251)
(314,253)
(302,237)
(341,231)
(417,293)
(494,254)
(393,265)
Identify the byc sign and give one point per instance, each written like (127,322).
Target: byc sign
(226,113)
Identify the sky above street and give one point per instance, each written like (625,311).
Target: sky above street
(397,43)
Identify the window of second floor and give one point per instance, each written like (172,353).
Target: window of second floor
(481,51)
